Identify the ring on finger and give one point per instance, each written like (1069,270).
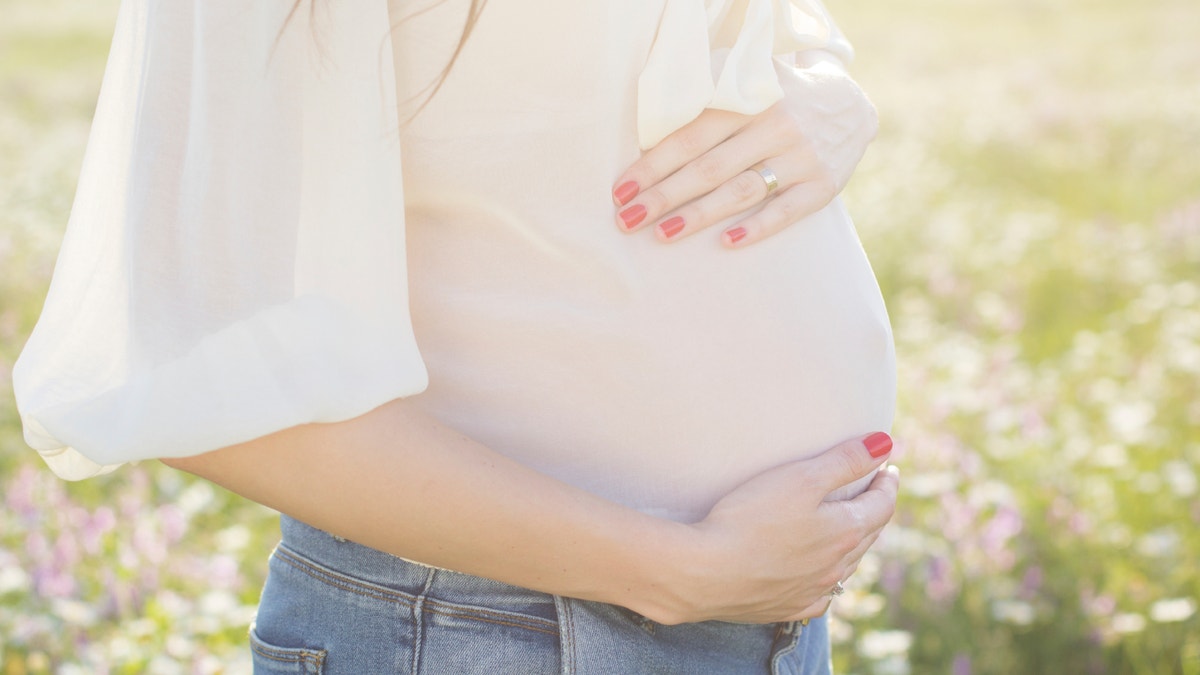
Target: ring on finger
(837,589)
(768,177)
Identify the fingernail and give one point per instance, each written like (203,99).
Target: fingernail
(878,444)
(626,191)
(671,226)
(633,215)
(736,234)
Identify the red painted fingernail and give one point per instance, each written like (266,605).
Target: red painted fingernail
(878,444)
(671,226)
(626,191)
(633,215)
(736,234)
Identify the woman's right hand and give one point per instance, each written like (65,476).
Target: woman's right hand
(773,549)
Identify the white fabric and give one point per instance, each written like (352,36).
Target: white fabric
(236,259)
(719,55)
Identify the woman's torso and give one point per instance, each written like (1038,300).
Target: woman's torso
(659,376)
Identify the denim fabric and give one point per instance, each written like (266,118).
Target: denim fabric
(333,607)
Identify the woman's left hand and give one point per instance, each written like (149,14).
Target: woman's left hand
(709,170)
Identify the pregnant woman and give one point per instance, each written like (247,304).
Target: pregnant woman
(634,439)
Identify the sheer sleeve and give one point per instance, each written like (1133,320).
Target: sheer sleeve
(724,54)
(234,262)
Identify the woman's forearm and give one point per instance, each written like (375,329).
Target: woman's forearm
(397,480)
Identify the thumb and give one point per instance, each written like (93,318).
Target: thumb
(847,462)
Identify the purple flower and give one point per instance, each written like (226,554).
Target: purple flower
(99,523)
(939,582)
(174,522)
(1000,529)
(1032,582)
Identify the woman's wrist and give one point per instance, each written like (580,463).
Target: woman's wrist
(671,566)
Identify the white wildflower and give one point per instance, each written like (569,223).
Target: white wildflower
(1161,543)
(74,612)
(13,579)
(1015,612)
(1172,610)
(233,539)
(1181,477)
(1128,623)
(879,644)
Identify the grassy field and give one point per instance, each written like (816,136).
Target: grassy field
(1032,209)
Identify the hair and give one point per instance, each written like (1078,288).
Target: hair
(429,90)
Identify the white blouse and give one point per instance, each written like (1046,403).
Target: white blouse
(237,260)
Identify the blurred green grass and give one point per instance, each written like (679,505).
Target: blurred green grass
(1032,211)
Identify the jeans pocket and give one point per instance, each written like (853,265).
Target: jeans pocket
(460,639)
(270,659)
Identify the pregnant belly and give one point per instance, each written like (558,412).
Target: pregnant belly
(660,377)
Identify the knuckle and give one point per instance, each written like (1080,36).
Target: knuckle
(690,141)
(848,541)
(848,464)
(857,520)
(889,510)
(655,200)
(788,128)
(653,168)
(746,187)
(711,170)
(787,211)
(812,479)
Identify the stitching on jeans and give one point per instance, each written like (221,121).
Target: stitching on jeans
(316,658)
(470,614)
(566,622)
(785,650)
(313,656)
(418,612)
(338,581)
(485,614)
(441,607)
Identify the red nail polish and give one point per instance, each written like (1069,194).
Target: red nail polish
(878,444)
(626,191)
(671,226)
(633,215)
(736,234)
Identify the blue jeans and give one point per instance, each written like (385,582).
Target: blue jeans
(333,607)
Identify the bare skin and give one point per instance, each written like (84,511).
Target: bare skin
(396,480)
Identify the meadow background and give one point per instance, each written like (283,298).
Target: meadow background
(1032,209)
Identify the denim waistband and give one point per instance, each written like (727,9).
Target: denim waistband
(366,564)
(591,637)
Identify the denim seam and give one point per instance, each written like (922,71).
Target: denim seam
(311,656)
(566,635)
(798,629)
(419,621)
(440,607)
